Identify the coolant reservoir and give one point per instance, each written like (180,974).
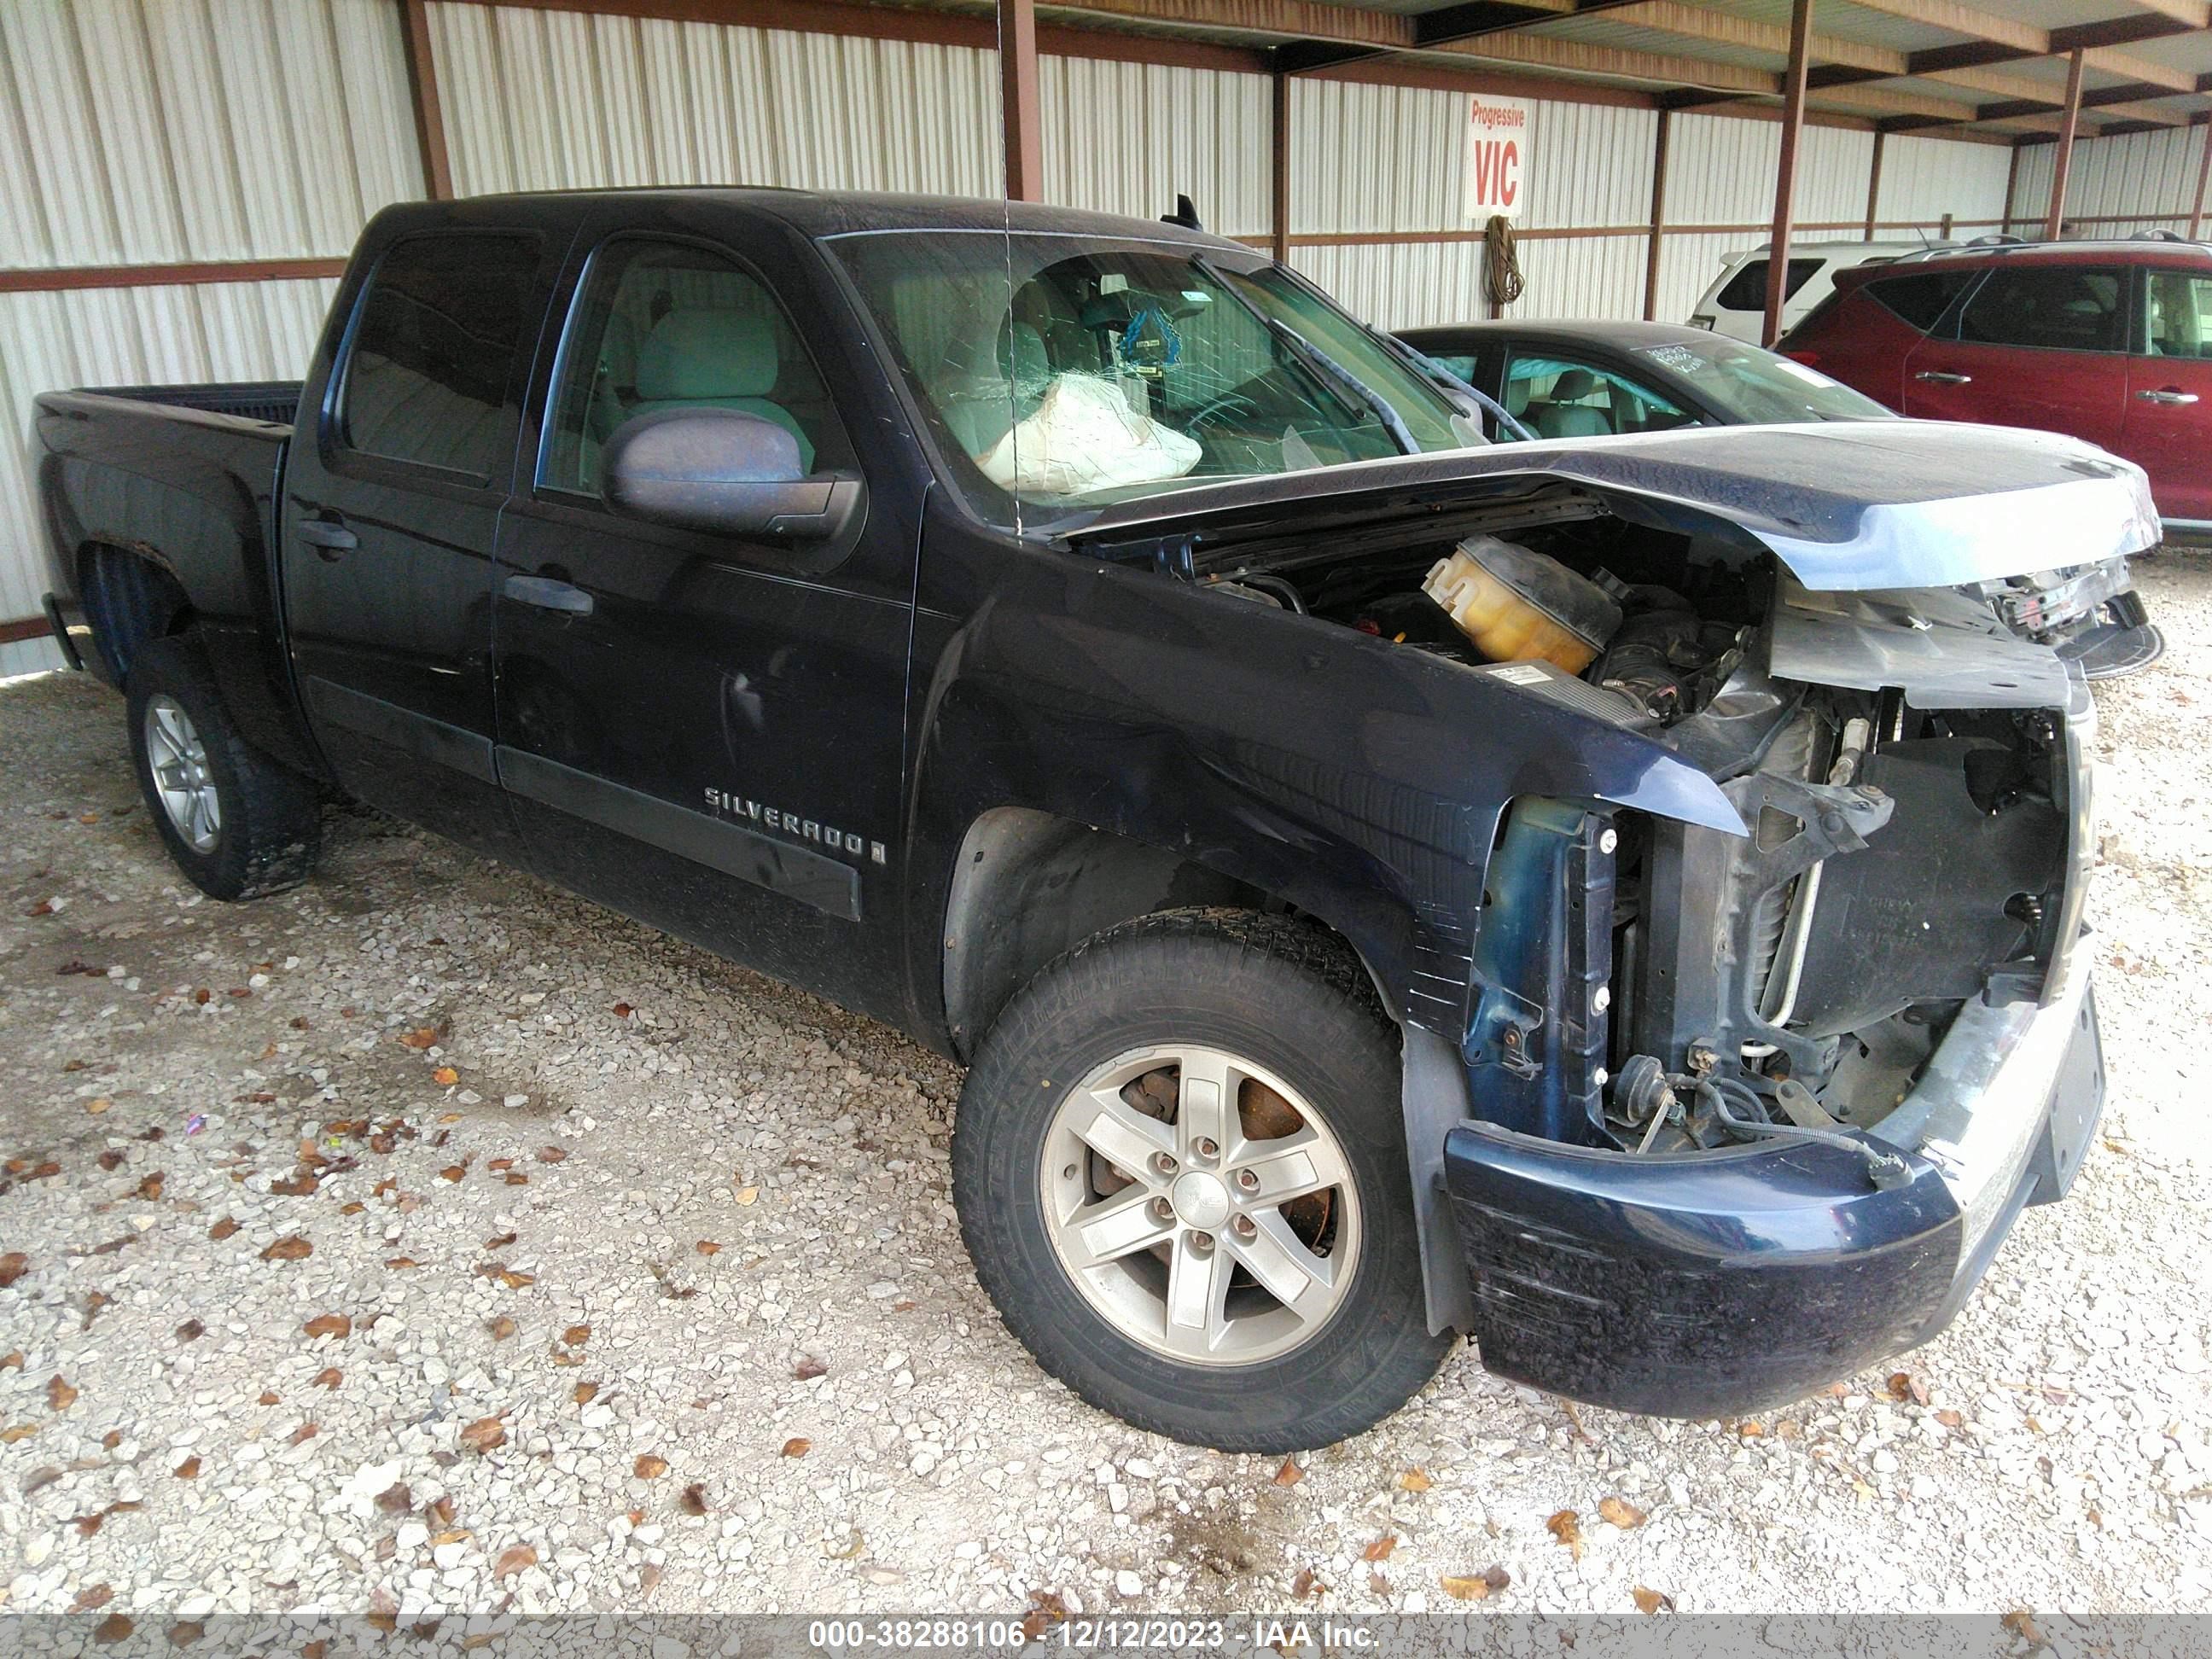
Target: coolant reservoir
(1519,606)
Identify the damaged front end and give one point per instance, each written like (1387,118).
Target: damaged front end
(1754,1111)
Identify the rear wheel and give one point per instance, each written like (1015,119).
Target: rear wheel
(1180,1167)
(236,821)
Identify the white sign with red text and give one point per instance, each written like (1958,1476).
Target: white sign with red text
(1496,156)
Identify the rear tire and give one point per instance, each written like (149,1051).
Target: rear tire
(237,823)
(1173,1284)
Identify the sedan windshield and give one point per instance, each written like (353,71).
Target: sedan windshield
(1062,372)
(1758,387)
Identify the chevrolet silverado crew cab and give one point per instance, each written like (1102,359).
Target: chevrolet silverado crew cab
(1616,899)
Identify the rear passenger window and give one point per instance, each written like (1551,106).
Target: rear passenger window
(1922,298)
(1747,290)
(426,381)
(2063,308)
(664,325)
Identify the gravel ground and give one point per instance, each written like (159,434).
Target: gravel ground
(427,1237)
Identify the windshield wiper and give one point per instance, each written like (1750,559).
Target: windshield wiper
(1430,369)
(1375,403)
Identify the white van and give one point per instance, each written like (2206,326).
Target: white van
(1737,302)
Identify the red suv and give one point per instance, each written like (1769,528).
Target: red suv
(2110,342)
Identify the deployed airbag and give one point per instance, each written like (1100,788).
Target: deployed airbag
(1084,436)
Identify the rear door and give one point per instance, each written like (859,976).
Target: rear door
(1562,394)
(705,731)
(2169,413)
(2037,344)
(391,502)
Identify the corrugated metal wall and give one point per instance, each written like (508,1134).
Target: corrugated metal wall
(2115,186)
(146,131)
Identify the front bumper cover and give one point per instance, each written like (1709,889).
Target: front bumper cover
(1711,1283)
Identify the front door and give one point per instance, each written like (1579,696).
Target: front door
(705,731)
(2169,418)
(2037,344)
(390,512)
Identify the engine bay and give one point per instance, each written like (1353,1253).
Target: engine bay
(1652,986)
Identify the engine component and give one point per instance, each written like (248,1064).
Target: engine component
(1521,606)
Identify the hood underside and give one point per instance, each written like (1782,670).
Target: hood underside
(1886,504)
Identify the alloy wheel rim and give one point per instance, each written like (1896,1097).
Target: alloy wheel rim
(1201,1206)
(182,777)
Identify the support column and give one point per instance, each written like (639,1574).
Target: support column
(1279,183)
(2062,162)
(1018,97)
(423,94)
(1874,184)
(2012,188)
(1658,215)
(1785,176)
(2203,170)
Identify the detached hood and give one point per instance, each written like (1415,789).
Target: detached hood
(1845,504)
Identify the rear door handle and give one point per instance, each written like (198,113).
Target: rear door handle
(547,595)
(328,537)
(1944,377)
(2173,394)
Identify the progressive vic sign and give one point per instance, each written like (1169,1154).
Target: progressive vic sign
(1496,156)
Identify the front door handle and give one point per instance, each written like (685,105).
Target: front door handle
(547,595)
(328,537)
(1944,377)
(2173,394)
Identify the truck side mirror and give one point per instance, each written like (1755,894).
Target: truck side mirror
(726,472)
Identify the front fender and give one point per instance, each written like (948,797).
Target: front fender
(1359,780)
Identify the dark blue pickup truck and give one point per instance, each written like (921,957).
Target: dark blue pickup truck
(1616,899)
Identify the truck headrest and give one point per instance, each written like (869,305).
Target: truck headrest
(707,354)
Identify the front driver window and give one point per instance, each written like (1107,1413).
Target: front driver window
(662,325)
(1555,397)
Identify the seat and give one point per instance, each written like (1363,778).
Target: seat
(715,360)
(1565,416)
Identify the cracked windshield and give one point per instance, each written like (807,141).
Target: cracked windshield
(1060,373)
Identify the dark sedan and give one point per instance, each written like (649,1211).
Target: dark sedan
(1586,379)
(1592,379)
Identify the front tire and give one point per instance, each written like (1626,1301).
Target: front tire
(237,823)
(1180,1166)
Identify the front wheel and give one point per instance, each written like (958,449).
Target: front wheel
(1181,1171)
(236,821)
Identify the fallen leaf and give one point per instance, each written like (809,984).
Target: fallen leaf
(586,1392)
(187,1470)
(93,1596)
(904,1306)
(1476,1586)
(150,1187)
(329,1325)
(17,1432)
(113,1629)
(14,1360)
(622,1011)
(1951,1419)
(809,1368)
(1905,1386)
(422,1037)
(576,1336)
(223,1229)
(442,1511)
(708,1247)
(304,1433)
(452,1172)
(797,1447)
(329,1377)
(13,1266)
(500,1163)
(401,1262)
(1290,1474)
(649,1467)
(450,1535)
(444,1077)
(694,1498)
(1414,1480)
(514,1280)
(483,1434)
(1381,1548)
(2020,1621)
(500,1329)
(1620,1512)
(270,1397)
(516,1557)
(302,1184)
(290,1248)
(186,1632)
(60,1395)
(40,1480)
(111,1159)
(500,1242)
(1306,1581)
(1567,1527)
(515,1178)
(396,1500)
(1651,1600)
(748,1194)
(552,1154)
